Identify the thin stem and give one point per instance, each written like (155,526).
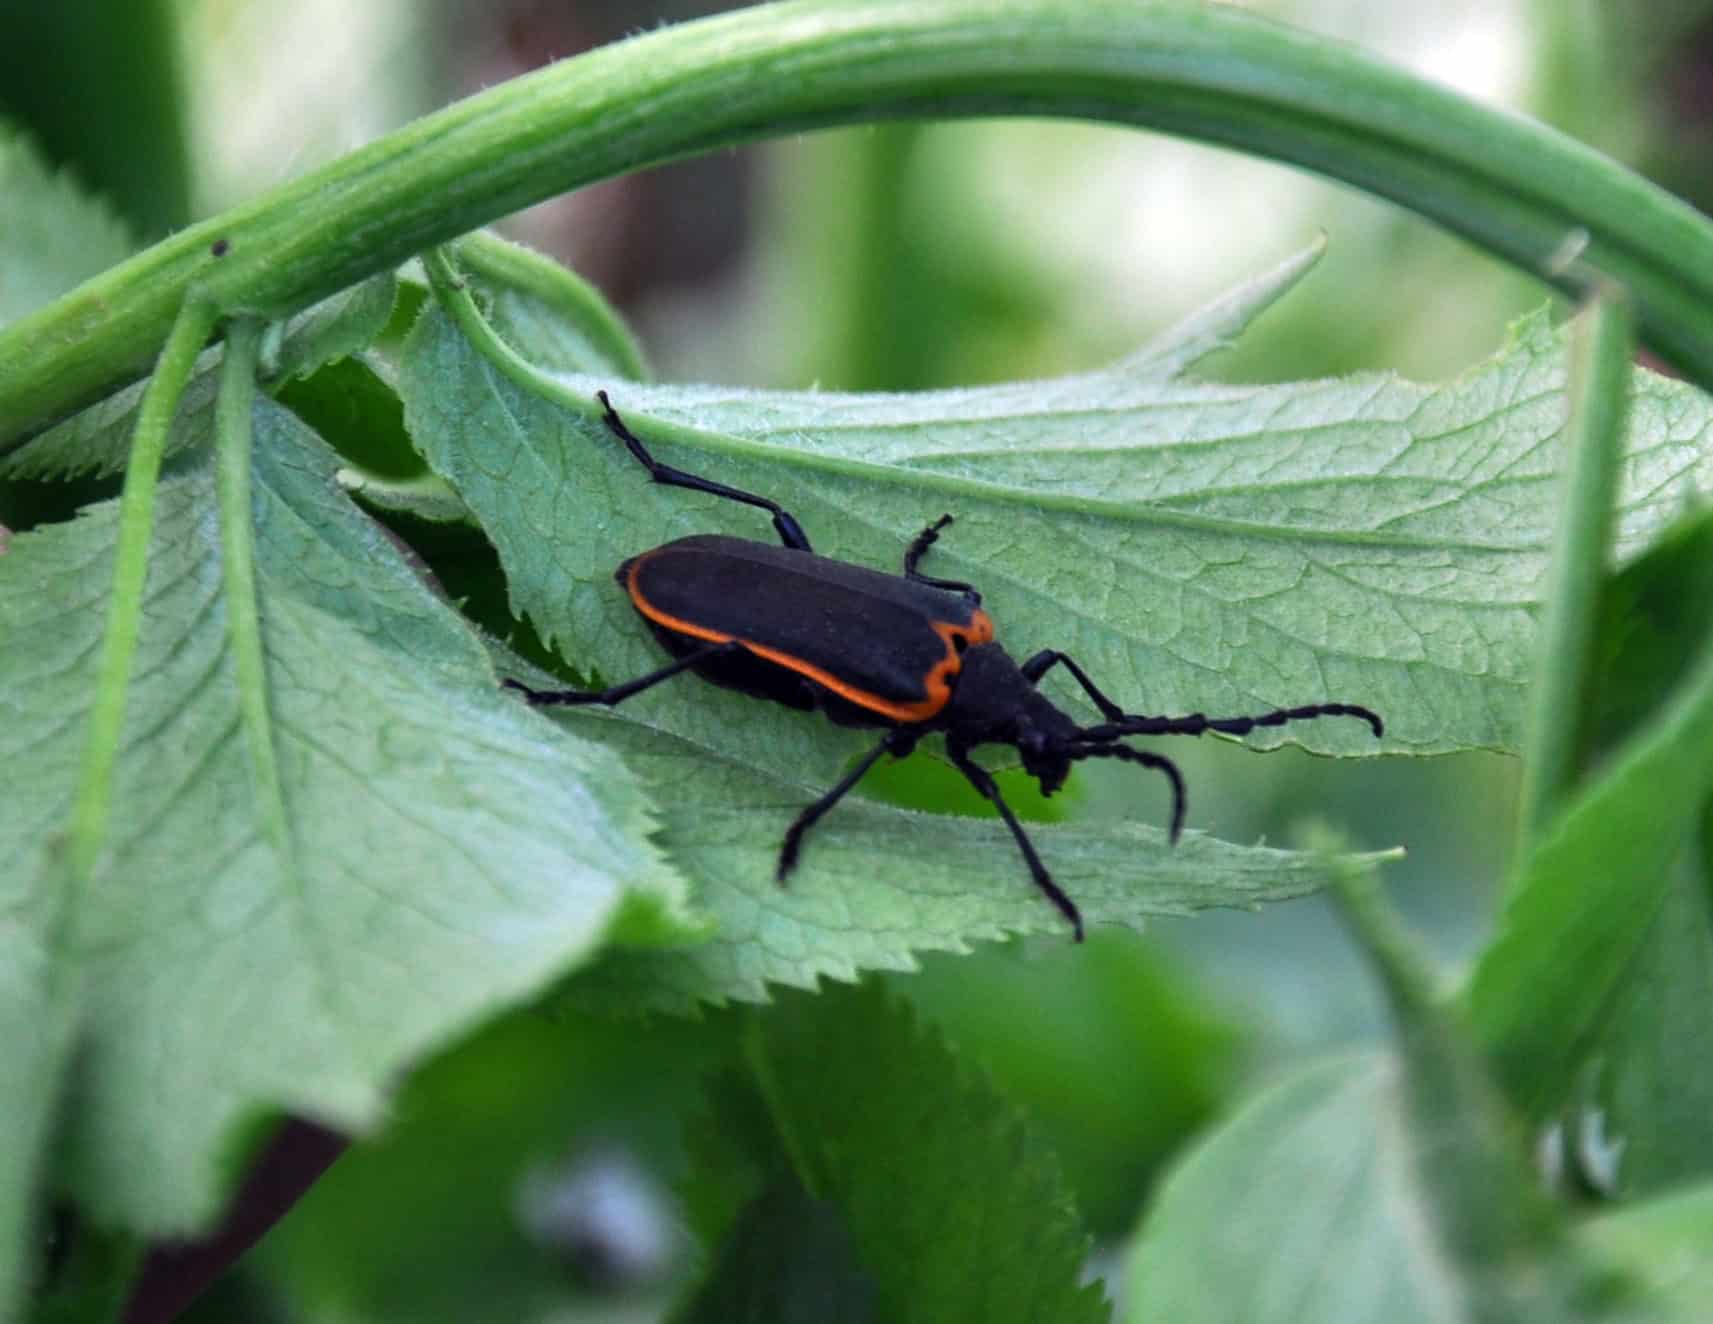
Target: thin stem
(1601,352)
(195,323)
(454,296)
(233,415)
(572,297)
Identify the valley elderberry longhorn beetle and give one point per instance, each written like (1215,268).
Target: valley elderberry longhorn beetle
(908,653)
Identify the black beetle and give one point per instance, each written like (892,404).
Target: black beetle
(908,653)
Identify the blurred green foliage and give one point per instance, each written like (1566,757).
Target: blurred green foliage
(884,260)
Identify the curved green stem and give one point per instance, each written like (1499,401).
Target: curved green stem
(1206,71)
(88,830)
(572,297)
(454,297)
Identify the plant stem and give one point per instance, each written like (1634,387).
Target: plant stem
(1600,360)
(1206,71)
(243,615)
(191,329)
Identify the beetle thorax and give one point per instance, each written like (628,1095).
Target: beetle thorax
(993,702)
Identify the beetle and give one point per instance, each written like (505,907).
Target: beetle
(909,654)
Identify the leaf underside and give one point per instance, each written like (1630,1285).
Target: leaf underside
(1198,548)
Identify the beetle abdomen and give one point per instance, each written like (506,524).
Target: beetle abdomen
(886,644)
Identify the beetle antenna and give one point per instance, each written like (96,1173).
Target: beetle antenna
(1198,723)
(1159,762)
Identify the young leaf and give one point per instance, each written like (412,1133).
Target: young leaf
(53,235)
(951,1208)
(1219,325)
(440,858)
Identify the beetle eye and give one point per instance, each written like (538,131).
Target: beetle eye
(960,642)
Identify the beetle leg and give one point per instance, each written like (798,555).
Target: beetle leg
(983,781)
(919,548)
(1159,762)
(1048,658)
(784,523)
(897,743)
(619,693)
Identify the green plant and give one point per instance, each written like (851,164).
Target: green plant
(274,833)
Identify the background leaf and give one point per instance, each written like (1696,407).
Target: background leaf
(1653,1096)
(450,856)
(53,234)
(475,1135)
(950,1207)
(1587,898)
(1317,1202)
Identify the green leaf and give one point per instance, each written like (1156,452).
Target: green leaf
(334,329)
(1652,1094)
(1664,1243)
(37,1029)
(98,439)
(353,405)
(475,1136)
(1116,1052)
(1318,1202)
(1655,1084)
(1587,899)
(53,234)
(102,88)
(952,1209)
(1196,547)
(443,858)
(1411,1168)
(788,1260)
(1655,615)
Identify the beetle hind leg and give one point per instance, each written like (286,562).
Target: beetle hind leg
(619,693)
(784,522)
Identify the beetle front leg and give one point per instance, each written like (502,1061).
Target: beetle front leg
(982,780)
(1048,658)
